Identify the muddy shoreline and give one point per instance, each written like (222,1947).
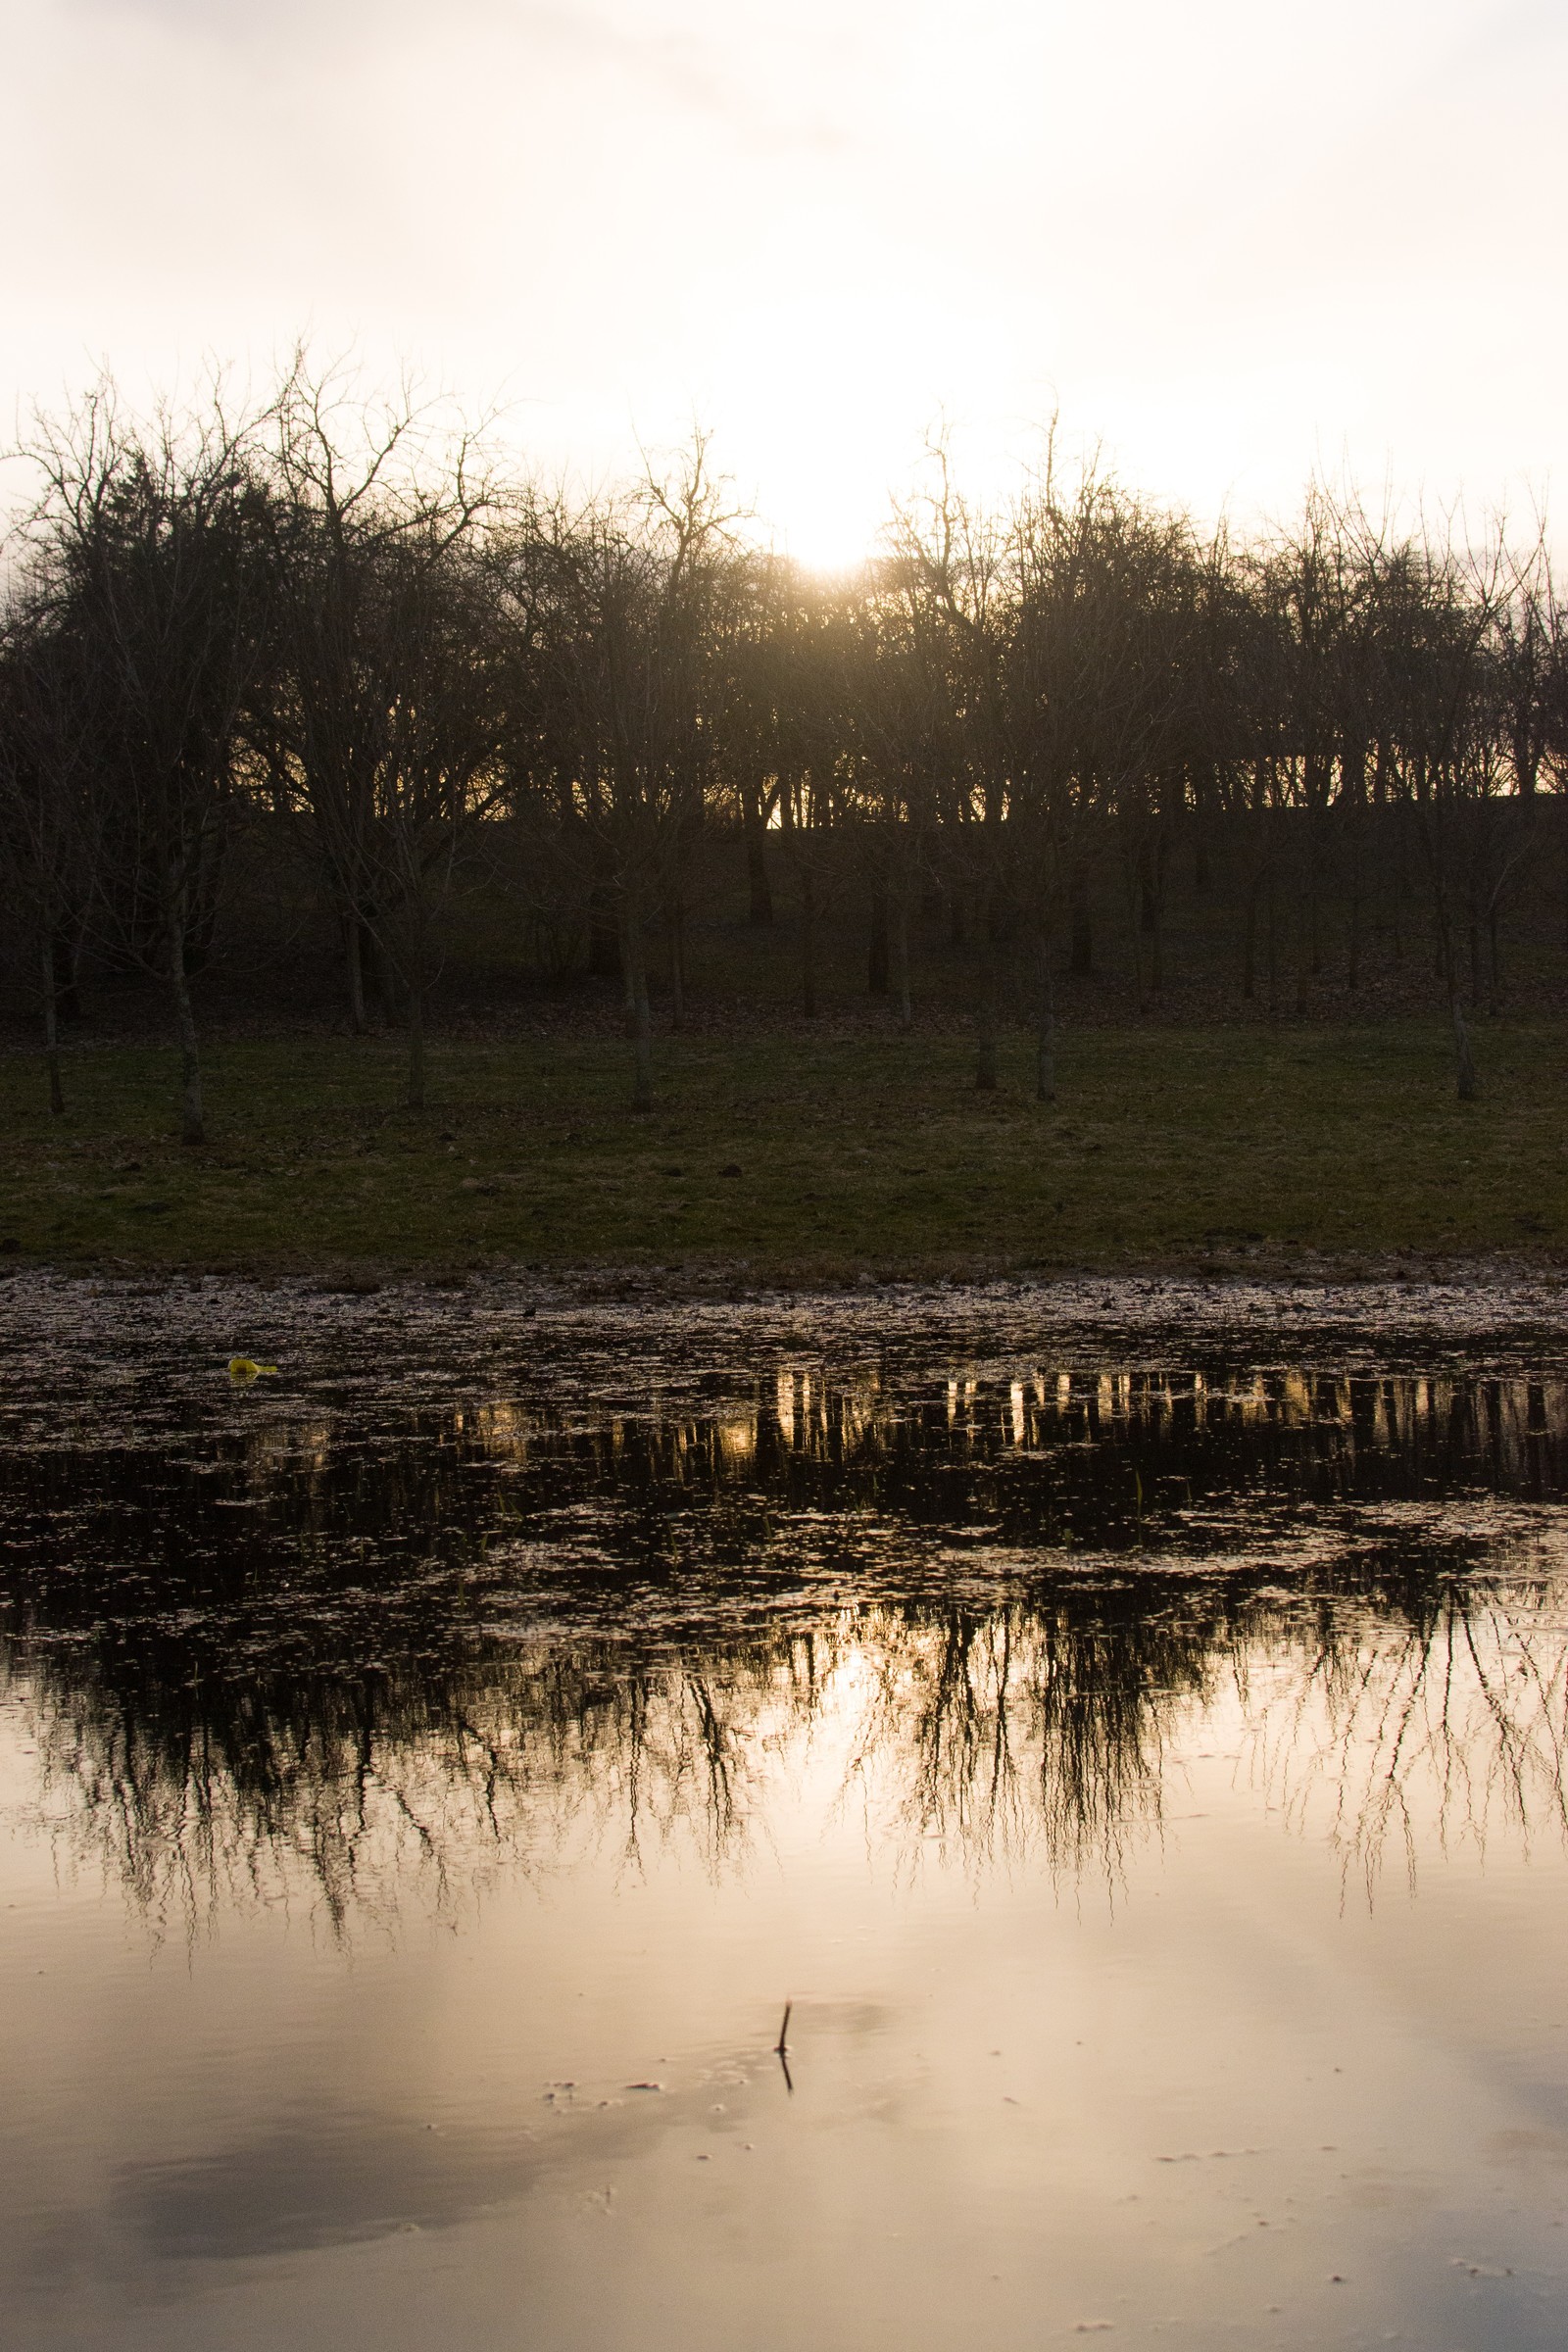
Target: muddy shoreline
(651,1324)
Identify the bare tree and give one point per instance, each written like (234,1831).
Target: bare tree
(953,565)
(1434,612)
(627,591)
(143,543)
(51,803)
(385,721)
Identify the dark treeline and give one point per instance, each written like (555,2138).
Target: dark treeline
(340,639)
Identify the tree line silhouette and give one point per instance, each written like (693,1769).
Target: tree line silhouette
(341,637)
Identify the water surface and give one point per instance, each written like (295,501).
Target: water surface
(1132,1743)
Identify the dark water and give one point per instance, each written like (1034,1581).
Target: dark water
(1133,1740)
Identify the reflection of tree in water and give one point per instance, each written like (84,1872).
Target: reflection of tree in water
(1444,1720)
(1037,1726)
(197,1791)
(200,1794)
(371,1666)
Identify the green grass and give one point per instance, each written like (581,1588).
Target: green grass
(1180,1147)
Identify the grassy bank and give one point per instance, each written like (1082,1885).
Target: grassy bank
(805,1157)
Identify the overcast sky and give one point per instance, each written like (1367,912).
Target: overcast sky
(1229,239)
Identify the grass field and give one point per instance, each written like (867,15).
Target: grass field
(804,1158)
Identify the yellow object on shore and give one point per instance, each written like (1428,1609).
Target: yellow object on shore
(242,1370)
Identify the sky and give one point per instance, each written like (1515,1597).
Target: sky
(1227,243)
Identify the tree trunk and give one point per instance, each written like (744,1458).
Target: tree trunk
(677,963)
(1527,765)
(807,938)
(1250,938)
(985,1043)
(51,1030)
(383,972)
(901,961)
(202,895)
(1272,945)
(634,955)
(1082,957)
(604,946)
(1468,1085)
(876,969)
(65,949)
(758,884)
(192,1126)
(1157,945)
(1318,786)
(354,969)
(416,994)
(1045,1045)
(1133,875)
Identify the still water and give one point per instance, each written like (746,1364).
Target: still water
(1133,1746)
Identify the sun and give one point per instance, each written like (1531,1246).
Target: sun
(817,432)
(827,518)
(819,475)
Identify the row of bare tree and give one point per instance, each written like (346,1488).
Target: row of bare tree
(349,622)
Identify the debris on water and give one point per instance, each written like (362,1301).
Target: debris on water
(243,1369)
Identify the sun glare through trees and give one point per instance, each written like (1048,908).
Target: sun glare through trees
(783,1176)
(333,652)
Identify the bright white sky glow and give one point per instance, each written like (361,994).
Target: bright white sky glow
(1231,239)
